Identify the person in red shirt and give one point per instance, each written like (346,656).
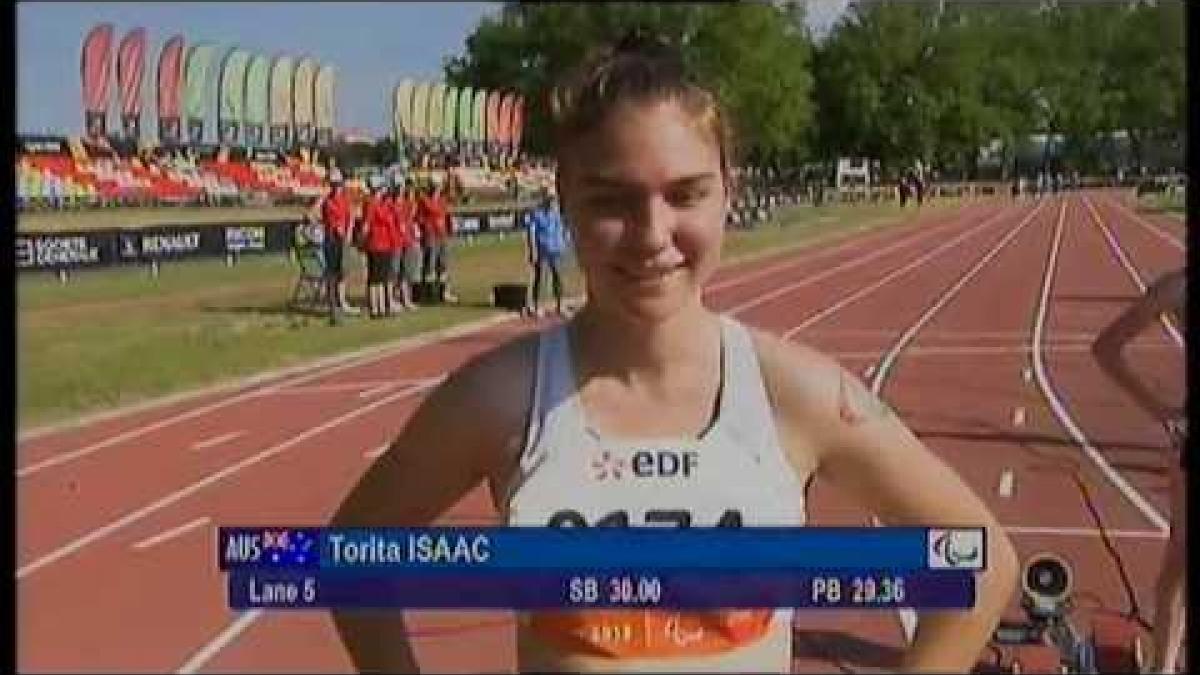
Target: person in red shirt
(336,214)
(379,241)
(433,215)
(407,250)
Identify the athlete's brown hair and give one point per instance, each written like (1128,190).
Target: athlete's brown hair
(637,69)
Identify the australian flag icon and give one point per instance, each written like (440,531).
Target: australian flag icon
(290,547)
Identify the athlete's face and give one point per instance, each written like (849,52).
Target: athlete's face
(646,198)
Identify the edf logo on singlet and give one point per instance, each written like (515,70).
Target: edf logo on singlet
(646,464)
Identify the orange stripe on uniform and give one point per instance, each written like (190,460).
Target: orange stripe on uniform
(638,633)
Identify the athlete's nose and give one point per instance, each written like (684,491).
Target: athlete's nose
(653,224)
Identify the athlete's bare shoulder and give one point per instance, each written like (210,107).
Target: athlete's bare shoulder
(797,376)
(493,390)
(816,400)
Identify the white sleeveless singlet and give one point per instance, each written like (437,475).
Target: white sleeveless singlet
(734,474)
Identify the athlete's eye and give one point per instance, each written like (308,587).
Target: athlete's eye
(605,202)
(688,196)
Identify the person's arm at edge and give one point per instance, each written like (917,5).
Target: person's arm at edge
(314,211)
(1109,347)
(866,451)
(434,461)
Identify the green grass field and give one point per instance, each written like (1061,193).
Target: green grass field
(117,336)
(1174,204)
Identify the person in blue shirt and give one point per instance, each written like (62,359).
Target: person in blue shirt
(547,242)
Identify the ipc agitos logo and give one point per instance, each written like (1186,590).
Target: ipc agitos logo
(956,549)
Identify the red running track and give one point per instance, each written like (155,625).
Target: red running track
(116,519)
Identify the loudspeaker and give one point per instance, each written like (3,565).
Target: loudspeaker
(510,296)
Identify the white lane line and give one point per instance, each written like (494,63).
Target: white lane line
(908,618)
(134,516)
(966,335)
(217,440)
(374,453)
(1007,483)
(374,391)
(1018,416)
(896,273)
(171,534)
(810,256)
(222,640)
(885,364)
(1056,405)
(1154,229)
(849,264)
(915,352)
(1084,532)
(1123,258)
(330,388)
(259,387)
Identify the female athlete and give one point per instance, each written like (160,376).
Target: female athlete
(644,178)
(1167,296)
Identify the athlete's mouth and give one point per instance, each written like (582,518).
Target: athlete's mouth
(652,270)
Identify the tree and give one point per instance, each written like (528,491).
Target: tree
(755,55)
(872,87)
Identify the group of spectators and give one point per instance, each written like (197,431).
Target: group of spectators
(401,228)
(1045,182)
(912,185)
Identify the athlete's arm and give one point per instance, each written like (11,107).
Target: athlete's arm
(1109,348)
(828,418)
(454,440)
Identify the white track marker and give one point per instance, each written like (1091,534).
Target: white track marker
(256,386)
(908,617)
(1018,416)
(894,274)
(375,391)
(1007,479)
(869,370)
(894,353)
(374,453)
(935,352)
(215,477)
(1056,405)
(1085,532)
(803,256)
(217,440)
(849,264)
(1027,374)
(329,388)
(231,632)
(171,534)
(1154,229)
(1123,258)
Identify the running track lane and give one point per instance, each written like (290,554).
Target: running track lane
(245,654)
(1127,203)
(93,490)
(163,633)
(910,304)
(1051,487)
